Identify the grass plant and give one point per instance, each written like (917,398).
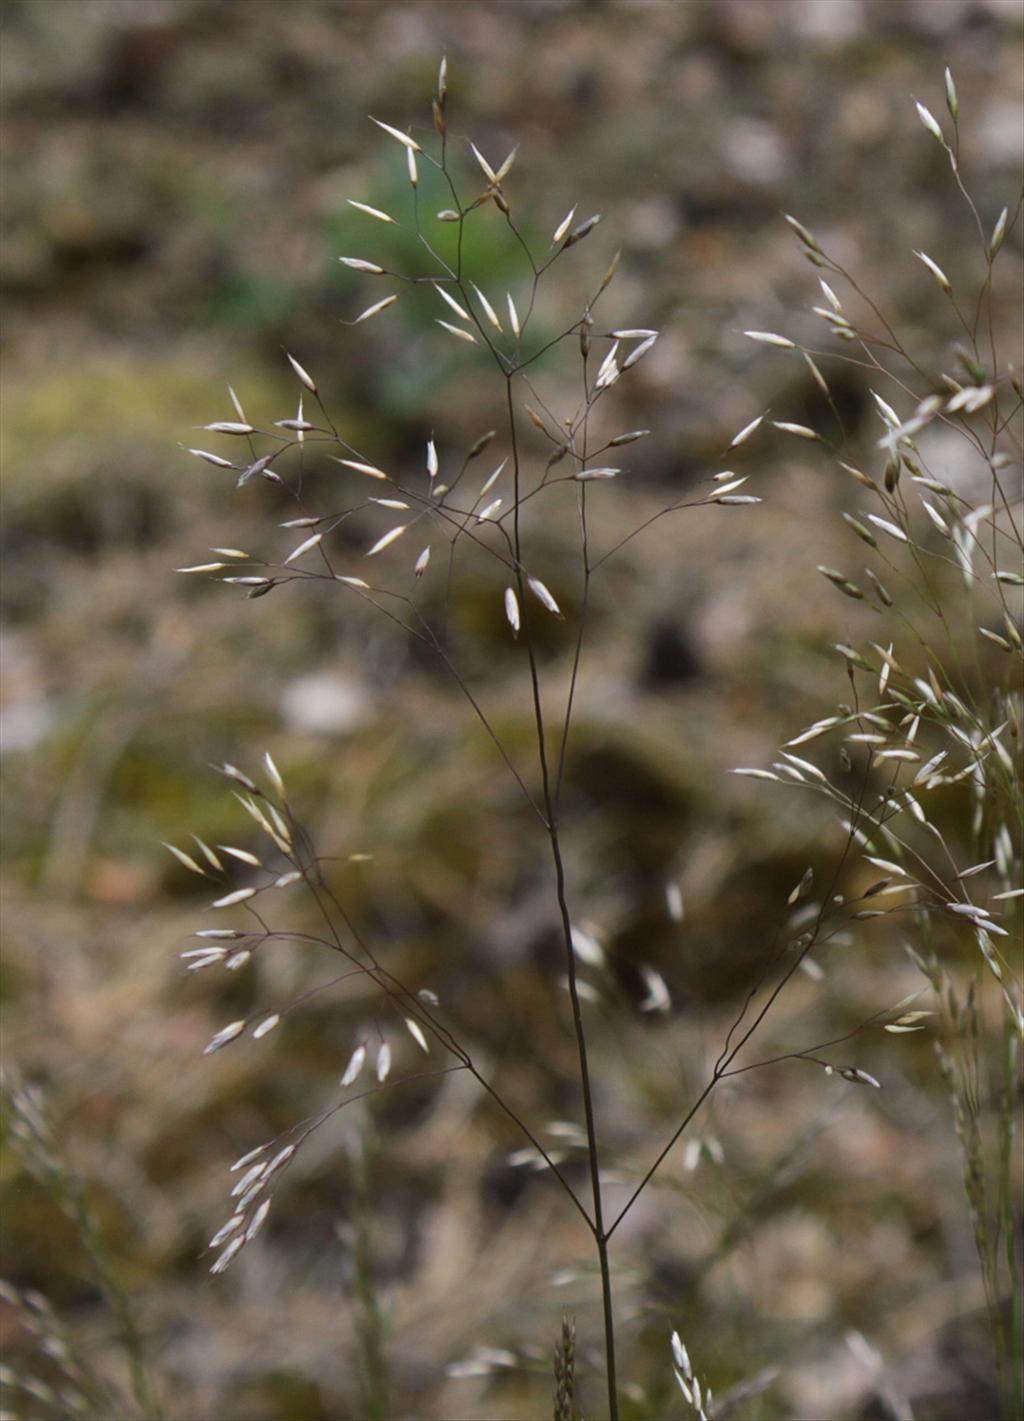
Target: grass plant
(924,723)
(933,722)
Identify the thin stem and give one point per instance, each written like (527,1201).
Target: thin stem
(730,1052)
(411,1004)
(600,1236)
(597,1226)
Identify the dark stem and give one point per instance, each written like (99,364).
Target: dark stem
(600,1236)
(597,1226)
(609,1326)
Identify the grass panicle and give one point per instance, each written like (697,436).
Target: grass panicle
(914,726)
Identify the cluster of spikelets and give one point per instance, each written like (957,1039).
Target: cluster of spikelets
(437,508)
(66,1390)
(699,1397)
(933,716)
(565,1374)
(923,729)
(945,562)
(285,862)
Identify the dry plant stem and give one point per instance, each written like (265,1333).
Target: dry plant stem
(600,1235)
(550,809)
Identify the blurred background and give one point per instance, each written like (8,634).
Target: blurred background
(177,176)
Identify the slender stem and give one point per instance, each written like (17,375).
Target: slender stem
(597,1225)
(609,1326)
(731,1051)
(600,1236)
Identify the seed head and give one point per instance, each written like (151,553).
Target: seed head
(563,226)
(370,211)
(303,375)
(403,138)
(543,596)
(512,610)
(936,270)
(388,538)
(224,1036)
(354,1066)
(929,121)
(375,309)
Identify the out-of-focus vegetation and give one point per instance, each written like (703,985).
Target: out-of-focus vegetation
(176,184)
